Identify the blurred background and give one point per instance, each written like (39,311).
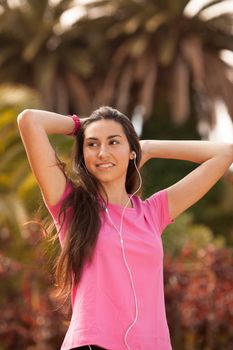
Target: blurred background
(166,64)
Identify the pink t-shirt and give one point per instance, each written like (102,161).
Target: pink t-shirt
(103,302)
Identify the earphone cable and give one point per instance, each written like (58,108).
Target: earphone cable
(121,240)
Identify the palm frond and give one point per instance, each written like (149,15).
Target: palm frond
(208,5)
(146,98)
(180,103)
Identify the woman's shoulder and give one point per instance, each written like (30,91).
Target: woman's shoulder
(69,187)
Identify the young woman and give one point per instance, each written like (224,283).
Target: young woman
(111,261)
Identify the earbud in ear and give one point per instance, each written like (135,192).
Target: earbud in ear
(134,155)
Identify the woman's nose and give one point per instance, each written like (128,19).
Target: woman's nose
(103,151)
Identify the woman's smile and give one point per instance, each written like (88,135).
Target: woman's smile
(105,165)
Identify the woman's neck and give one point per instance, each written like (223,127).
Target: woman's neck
(118,198)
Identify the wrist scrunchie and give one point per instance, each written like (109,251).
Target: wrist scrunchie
(77,124)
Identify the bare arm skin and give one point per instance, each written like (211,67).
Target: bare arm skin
(215,159)
(34,127)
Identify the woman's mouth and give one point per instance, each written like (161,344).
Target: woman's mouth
(105,165)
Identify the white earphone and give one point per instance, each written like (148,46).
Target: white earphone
(121,240)
(134,154)
(122,246)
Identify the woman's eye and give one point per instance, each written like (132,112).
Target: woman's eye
(93,144)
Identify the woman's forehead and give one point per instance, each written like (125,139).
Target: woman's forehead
(103,128)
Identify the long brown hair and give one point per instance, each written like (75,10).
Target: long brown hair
(84,226)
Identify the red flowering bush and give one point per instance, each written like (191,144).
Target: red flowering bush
(30,318)
(198,294)
(30,315)
(199,297)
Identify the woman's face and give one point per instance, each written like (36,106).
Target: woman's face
(106,150)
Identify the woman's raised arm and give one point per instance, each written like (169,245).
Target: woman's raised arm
(215,159)
(34,126)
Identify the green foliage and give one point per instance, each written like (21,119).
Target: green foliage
(14,167)
(184,233)
(214,210)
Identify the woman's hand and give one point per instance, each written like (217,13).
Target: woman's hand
(214,157)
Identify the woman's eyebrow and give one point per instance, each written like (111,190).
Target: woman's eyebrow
(109,137)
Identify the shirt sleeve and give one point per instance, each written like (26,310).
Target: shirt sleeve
(158,204)
(55,209)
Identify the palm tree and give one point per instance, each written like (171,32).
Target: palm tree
(121,52)
(37,53)
(152,46)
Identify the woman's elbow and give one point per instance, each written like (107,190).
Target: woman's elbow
(25,114)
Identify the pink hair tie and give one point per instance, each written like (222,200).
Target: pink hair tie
(77,124)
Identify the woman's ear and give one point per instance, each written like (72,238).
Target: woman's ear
(133,155)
